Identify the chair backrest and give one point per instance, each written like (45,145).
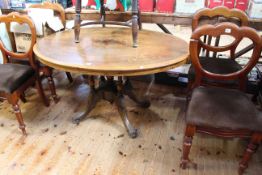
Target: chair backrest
(220,11)
(221,14)
(57,8)
(226,29)
(20,19)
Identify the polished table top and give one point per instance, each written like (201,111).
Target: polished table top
(109,51)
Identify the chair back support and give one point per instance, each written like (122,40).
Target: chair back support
(227,29)
(57,8)
(20,19)
(228,15)
(219,12)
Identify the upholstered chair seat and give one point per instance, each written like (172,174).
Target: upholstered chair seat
(218,66)
(223,108)
(13,76)
(214,108)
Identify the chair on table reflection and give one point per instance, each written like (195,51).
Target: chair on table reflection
(221,111)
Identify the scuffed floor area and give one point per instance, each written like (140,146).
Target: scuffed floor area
(100,145)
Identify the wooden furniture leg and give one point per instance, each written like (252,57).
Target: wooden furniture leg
(251,148)
(132,132)
(102,13)
(112,91)
(51,85)
(189,87)
(139,19)
(92,100)
(40,90)
(69,77)
(190,131)
(135,22)
(123,112)
(128,90)
(77,20)
(13,99)
(22,97)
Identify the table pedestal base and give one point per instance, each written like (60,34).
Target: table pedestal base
(112,91)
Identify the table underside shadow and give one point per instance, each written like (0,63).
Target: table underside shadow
(112,91)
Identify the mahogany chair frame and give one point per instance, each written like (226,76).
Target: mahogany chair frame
(59,10)
(224,12)
(14,97)
(195,45)
(219,12)
(44,71)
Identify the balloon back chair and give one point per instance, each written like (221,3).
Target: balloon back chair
(212,61)
(16,78)
(221,111)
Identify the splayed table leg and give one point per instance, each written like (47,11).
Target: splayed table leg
(128,90)
(132,132)
(93,98)
(122,109)
(112,91)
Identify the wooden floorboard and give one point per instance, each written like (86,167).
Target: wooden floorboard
(100,145)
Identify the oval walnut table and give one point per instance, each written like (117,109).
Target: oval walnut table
(108,52)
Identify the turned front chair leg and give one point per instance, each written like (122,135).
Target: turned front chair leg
(251,148)
(52,88)
(190,131)
(14,101)
(51,85)
(19,118)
